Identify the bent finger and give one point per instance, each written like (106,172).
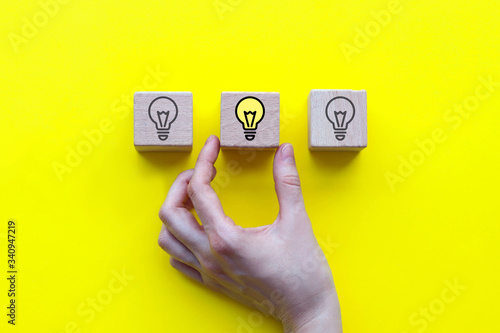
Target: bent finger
(176,215)
(186,270)
(176,249)
(205,200)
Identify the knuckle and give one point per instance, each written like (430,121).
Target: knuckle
(222,247)
(290,180)
(193,189)
(210,282)
(174,263)
(224,244)
(165,214)
(162,242)
(165,243)
(212,268)
(198,190)
(185,174)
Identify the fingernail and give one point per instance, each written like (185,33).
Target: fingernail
(209,138)
(287,154)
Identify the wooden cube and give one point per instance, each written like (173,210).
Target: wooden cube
(163,121)
(250,120)
(337,120)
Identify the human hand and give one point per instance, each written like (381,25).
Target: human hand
(277,268)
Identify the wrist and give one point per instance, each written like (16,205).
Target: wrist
(321,314)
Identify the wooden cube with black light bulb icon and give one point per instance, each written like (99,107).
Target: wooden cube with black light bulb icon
(163,121)
(337,120)
(250,120)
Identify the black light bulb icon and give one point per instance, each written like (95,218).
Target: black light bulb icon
(163,112)
(340,112)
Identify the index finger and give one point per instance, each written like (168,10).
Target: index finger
(205,200)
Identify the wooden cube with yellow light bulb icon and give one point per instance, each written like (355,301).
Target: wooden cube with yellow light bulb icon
(250,120)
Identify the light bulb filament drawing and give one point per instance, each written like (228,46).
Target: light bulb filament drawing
(166,111)
(340,112)
(340,120)
(162,118)
(250,111)
(249,118)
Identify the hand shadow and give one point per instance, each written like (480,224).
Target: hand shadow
(164,160)
(333,160)
(251,160)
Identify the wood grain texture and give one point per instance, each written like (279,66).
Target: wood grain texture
(232,132)
(163,134)
(328,113)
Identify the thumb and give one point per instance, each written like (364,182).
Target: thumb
(287,182)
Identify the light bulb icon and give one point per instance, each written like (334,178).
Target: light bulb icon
(340,112)
(163,112)
(250,112)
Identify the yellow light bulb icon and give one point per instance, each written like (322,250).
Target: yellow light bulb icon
(250,112)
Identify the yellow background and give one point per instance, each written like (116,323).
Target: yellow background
(394,246)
